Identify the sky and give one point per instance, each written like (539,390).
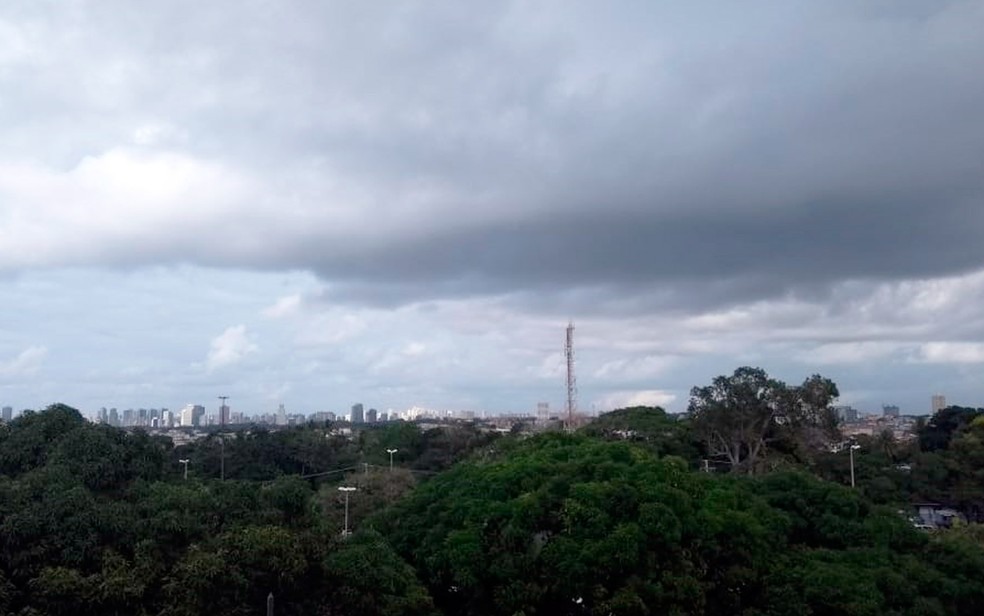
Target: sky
(404,204)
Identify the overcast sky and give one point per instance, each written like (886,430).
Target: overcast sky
(322,203)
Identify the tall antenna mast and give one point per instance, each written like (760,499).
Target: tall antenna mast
(571,381)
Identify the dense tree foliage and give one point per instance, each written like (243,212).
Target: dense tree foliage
(649,426)
(740,415)
(93,520)
(614,520)
(569,525)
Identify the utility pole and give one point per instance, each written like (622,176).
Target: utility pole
(270,604)
(853,447)
(391,452)
(222,458)
(185,461)
(346,490)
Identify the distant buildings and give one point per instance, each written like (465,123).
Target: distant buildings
(281,419)
(371,415)
(847,414)
(890,410)
(7,414)
(358,414)
(191,415)
(938,403)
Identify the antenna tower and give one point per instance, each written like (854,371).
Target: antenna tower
(571,381)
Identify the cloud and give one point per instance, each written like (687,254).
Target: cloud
(713,188)
(633,369)
(623,399)
(27,363)
(951,353)
(283,307)
(229,348)
(653,157)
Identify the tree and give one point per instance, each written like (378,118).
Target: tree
(941,428)
(737,416)
(665,434)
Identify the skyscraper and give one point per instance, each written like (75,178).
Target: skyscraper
(8,413)
(191,415)
(358,415)
(371,415)
(938,403)
(281,419)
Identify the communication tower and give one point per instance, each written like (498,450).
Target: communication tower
(571,381)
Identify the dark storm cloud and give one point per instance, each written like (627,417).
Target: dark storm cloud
(714,257)
(679,153)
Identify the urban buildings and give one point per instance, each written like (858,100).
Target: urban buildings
(890,410)
(847,414)
(938,403)
(7,414)
(358,415)
(191,415)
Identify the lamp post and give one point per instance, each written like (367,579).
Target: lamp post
(346,490)
(853,447)
(222,458)
(185,461)
(391,452)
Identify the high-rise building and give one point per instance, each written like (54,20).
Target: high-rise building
(890,410)
(281,419)
(224,416)
(8,413)
(542,412)
(938,403)
(358,415)
(847,414)
(114,417)
(191,415)
(371,415)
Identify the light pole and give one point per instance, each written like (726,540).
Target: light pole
(185,461)
(346,490)
(853,447)
(222,458)
(391,452)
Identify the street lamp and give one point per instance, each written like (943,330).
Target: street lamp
(391,452)
(346,490)
(185,461)
(853,447)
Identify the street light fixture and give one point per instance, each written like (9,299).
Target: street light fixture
(853,447)
(391,452)
(185,461)
(346,490)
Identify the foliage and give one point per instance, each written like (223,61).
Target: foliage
(737,416)
(571,525)
(95,520)
(651,426)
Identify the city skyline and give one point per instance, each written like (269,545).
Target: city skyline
(317,204)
